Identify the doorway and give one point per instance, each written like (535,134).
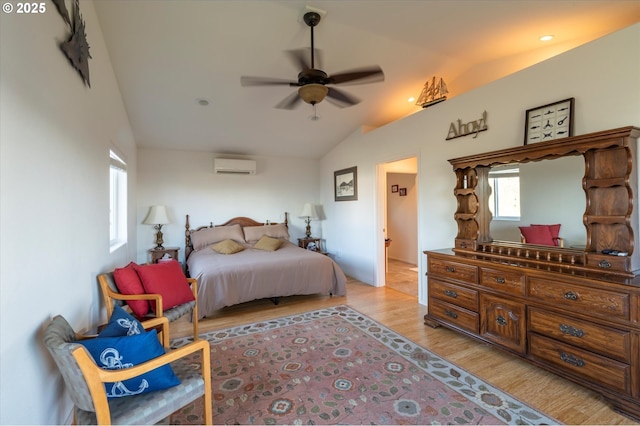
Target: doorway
(401,226)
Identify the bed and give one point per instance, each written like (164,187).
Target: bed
(251,274)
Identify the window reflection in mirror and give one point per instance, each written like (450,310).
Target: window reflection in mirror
(550,193)
(504,201)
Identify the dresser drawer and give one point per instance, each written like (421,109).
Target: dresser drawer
(454,315)
(603,340)
(453,294)
(508,282)
(588,365)
(588,300)
(503,322)
(455,270)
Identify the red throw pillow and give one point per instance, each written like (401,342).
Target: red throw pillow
(128,282)
(555,232)
(537,235)
(167,280)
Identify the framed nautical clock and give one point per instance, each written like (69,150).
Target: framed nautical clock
(549,122)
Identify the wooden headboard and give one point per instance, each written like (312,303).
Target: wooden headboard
(240,220)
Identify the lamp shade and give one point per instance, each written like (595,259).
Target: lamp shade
(309,210)
(313,93)
(157,216)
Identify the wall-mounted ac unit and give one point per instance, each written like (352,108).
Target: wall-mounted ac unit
(232,166)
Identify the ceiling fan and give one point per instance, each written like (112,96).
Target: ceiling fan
(312,82)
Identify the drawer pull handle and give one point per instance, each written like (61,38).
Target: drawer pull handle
(451,293)
(571,359)
(501,320)
(451,269)
(500,280)
(604,264)
(450,313)
(570,296)
(571,330)
(463,245)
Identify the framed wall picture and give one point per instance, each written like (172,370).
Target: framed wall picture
(403,192)
(549,122)
(394,188)
(346,184)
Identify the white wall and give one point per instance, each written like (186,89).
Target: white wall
(185,183)
(603,77)
(54,201)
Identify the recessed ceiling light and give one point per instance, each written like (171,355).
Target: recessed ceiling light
(546,37)
(202,101)
(411,99)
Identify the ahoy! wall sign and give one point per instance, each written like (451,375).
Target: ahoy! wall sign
(458,129)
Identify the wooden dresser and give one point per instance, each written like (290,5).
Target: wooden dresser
(583,327)
(573,312)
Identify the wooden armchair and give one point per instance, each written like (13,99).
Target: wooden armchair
(111,295)
(85,381)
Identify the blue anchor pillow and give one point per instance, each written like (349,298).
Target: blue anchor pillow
(125,351)
(121,323)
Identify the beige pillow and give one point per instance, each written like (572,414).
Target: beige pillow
(253,233)
(267,243)
(227,247)
(208,236)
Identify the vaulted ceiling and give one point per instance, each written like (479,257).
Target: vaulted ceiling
(170,54)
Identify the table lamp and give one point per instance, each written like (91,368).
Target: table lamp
(157,217)
(308,213)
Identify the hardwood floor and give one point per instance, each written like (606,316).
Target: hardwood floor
(559,398)
(401,277)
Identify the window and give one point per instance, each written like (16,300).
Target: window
(504,201)
(117,201)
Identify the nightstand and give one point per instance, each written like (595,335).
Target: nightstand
(158,253)
(304,242)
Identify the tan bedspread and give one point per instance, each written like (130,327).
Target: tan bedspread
(226,280)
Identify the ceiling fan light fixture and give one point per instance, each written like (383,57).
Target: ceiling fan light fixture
(313,93)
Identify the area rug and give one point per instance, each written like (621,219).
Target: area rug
(337,366)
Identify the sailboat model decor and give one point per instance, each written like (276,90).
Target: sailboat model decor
(434,91)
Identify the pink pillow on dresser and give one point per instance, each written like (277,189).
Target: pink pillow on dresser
(537,235)
(555,231)
(128,282)
(168,280)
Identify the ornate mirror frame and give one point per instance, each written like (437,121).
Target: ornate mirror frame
(610,183)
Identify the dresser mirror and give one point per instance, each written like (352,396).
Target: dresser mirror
(599,194)
(550,193)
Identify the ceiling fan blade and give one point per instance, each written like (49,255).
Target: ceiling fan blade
(340,98)
(299,59)
(265,81)
(358,76)
(290,101)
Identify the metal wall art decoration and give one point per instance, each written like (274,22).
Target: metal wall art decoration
(549,122)
(460,129)
(76,48)
(432,93)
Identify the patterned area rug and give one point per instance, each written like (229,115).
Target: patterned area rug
(337,366)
